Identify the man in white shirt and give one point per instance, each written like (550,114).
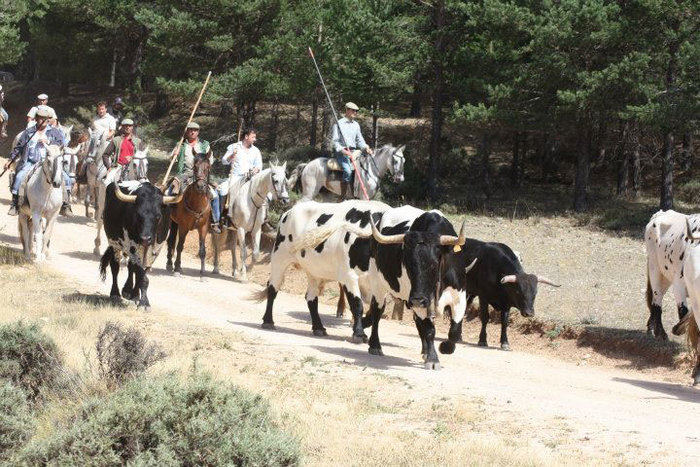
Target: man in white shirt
(245,160)
(41,99)
(104,121)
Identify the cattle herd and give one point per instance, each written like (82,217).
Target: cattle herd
(376,252)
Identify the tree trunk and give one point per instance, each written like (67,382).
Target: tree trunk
(324,125)
(635,154)
(437,97)
(515,164)
(485,153)
(623,158)
(113,68)
(314,118)
(275,125)
(583,166)
(375,125)
(416,96)
(688,151)
(666,201)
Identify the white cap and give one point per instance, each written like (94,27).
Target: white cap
(351,106)
(42,97)
(43,111)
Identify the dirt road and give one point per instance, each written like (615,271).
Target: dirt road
(599,411)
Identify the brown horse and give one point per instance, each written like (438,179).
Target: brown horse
(192,212)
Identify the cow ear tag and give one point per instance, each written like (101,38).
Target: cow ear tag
(457,248)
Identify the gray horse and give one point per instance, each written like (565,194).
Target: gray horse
(323,172)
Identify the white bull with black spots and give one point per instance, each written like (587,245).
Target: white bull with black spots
(664,237)
(691,279)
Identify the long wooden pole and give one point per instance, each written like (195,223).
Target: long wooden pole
(182,138)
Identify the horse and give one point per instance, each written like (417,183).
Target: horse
(94,170)
(324,172)
(44,194)
(248,212)
(192,212)
(74,155)
(138,167)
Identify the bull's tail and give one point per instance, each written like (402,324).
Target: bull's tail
(107,257)
(295,176)
(692,334)
(314,237)
(259,296)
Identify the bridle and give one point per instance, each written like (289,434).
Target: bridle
(364,165)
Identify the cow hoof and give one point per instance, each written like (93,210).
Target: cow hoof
(376,351)
(145,308)
(115,299)
(169,267)
(320,332)
(365,339)
(270,326)
(432,365)
(662,337)
(357,339)
(482,344)
(447,347)
(505,347)
(215,271)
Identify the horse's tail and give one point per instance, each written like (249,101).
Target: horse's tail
(104,262)
(295,177)
(692,334)
(258,296)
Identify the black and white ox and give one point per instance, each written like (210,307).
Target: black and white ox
(136,224)
(664,237)
(402,257)
(498,279)
(691,278)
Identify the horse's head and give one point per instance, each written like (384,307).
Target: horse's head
(202,166)
(278,176)
(52,167)
(396,164)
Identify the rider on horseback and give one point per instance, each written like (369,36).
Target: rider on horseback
(345,142)
(3,115)
(120,151)
(31,149)
(245,160)
(41,101)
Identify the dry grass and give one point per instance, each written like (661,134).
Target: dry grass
(343,414)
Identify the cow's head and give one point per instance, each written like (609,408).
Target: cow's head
(424,258)
(150,215)
(522,290)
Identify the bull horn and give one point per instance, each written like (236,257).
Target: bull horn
(173,199)
(544,280)
(451,240)
(124,198)
(689,230)
(510,279)
(469,268)
(384,239)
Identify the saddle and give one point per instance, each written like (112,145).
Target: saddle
(333,164)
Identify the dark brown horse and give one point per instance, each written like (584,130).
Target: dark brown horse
(192,212)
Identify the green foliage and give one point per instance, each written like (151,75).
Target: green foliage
(690,191)
(124,353)
(165,421)
(16,420)
(29,358)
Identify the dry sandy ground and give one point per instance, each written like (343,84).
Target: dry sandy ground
(571,410)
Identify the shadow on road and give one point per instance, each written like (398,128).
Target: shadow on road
(83,255)
(286,330)
(677,391)
(361,357)
(95,300)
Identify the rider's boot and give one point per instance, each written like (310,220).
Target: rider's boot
(14,208)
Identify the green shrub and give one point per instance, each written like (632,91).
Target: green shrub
(689,191)
(16,421)
(165,421)
(29,358)
(124,353)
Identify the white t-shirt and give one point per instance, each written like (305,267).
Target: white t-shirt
(105,123)
(246,158)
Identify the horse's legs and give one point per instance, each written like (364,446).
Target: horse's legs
(215,238)
(99,206)
(202,231)
(181,236)
(37,237)
(25,234)
(172,236)
(232,240)
(257,231)
(47,235)
(243,275)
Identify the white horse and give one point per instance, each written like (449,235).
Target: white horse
(44,195)
(325,172)
(135,171)
(249,211)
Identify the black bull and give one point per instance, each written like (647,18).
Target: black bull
(136,226)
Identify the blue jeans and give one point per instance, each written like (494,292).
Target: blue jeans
(345,163)
(67,180)
(216,207)
(21,175)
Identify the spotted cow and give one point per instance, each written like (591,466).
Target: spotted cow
(402,256)
(691,278)
(664,237)
(136,224)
